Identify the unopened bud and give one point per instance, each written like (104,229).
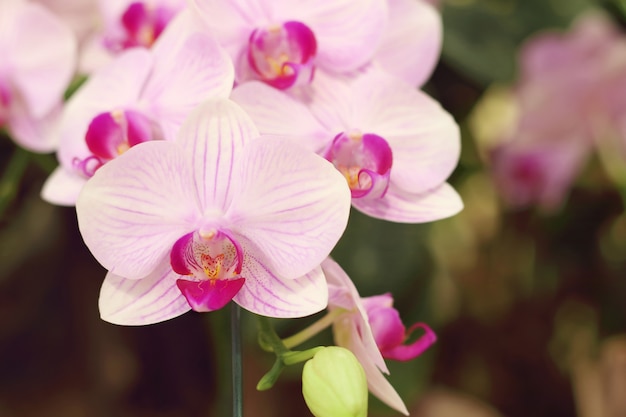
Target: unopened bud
(334,384)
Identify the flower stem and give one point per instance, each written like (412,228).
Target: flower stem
(11,178)
(235,321)
(307,333)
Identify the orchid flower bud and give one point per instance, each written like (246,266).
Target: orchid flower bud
(334,384)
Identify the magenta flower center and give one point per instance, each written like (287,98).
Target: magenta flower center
(283,55)
(211,261)
(142,24)
(365,161)
(5,102)
(111,134)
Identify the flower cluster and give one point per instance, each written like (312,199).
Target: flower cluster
(216,148)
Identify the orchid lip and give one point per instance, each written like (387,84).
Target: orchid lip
(283,55)
(212,260)
(142,24)
(365,160)
(110,134)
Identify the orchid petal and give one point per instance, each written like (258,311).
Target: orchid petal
(116,85)
(213,136)
(43,57)
(411,45)
(291,203)
(198,69)
(153,299)
(402,207)
(347,31)
(266,294)
(38,134)
(62,187)
(276,113)
(424,138)
(407,352)
(136,206)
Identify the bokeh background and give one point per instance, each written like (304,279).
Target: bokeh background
(529,304)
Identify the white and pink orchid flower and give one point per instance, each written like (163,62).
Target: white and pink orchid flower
(142,95)
(411,45)
(371,328)
(38,62)
(126,24)
(282,42)
(214,216)
(395,145)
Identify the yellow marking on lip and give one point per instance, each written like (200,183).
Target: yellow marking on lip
(207,234)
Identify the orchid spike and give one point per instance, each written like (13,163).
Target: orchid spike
(213,216)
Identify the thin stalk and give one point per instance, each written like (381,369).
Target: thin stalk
(307,333)
(236,355)
(12,177)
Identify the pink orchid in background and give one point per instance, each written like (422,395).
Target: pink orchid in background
(38,62)
(125,24)
(395,145)
(283,42)
(214,216)
(80,15)
(411,45)
(142,95)
(571,96)
(372,329)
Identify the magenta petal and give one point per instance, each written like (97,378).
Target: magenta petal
(209,295)
(387,327)
(408,352)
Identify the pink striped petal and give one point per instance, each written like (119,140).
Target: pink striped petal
(42,57)
(292,204)
(186,73)
(268,295)
(213,136)
(411,45)
(402,207)
(136,206)
(153,299)
(276,113)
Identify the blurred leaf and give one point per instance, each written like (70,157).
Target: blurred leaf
(482,37)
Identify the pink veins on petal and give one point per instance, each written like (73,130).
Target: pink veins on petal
(111,134)
(212,260)
(365,161)
(282,55)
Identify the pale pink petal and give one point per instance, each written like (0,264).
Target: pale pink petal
(403,207)
(153,299)
(213,136)
(62,187)
(43,58)
(268,295)
(117,85)
(424,138)
(38,134)
(292,204)
(197,69)
(347,31)
(276,113)
(411,45)
(135,207)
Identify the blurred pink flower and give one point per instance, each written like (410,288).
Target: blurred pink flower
(124,24)
(38,62)
(213,216)
(282,42)
(395,145)
(371,328)
(570,97)
(80,15)
(141,95)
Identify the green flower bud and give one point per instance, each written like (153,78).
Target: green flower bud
(334,384)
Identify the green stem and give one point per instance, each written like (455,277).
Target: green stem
(12,177)
(307,333)
(236,355)
(269,338)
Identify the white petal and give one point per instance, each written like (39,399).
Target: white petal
(62,187)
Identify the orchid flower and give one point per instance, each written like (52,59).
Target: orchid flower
(412,41)
(142,95)
(126,24)
(214,216)
(395,145)
(371,329)
(79,15)
(38,59)
(282,42)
